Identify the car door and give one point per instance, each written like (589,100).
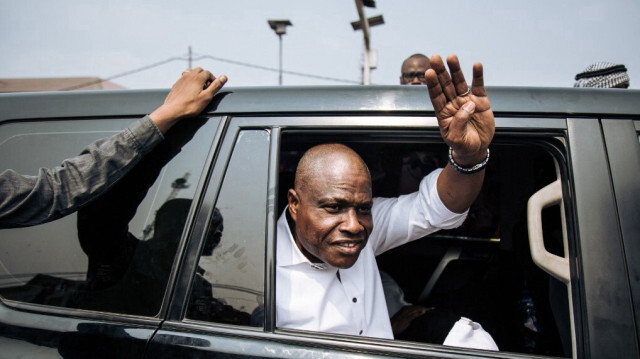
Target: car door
(224,302)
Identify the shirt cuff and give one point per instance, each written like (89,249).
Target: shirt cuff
(441,216)
(144,134)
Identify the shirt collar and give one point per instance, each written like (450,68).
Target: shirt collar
(288,253)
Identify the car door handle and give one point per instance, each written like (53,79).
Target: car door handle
(555,265)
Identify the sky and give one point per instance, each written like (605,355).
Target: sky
(142,44)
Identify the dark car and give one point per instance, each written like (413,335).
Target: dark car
(178,258)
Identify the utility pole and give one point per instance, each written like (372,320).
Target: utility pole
(364,24)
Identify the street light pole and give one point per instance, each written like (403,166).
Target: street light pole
(280,28)
(280,66)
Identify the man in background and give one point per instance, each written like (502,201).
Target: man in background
(413,69)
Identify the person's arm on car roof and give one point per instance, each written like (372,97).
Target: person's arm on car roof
(53,193)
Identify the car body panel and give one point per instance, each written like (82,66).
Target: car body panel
(406,100)
(623,153)
(67,334)
(605,283)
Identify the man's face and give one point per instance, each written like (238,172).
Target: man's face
(332,215)
(413,71)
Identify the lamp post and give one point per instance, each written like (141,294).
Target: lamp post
(364,24)
(280,27)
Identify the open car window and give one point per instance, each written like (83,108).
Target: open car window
(482,270)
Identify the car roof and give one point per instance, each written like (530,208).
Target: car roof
(325,100)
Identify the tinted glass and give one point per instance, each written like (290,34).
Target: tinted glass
(229,283)
(116,253)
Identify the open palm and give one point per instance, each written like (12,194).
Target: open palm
(464,115)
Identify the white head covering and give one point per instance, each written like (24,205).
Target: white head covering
(602,75)
(469,334)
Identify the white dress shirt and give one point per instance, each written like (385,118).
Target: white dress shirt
(309,296)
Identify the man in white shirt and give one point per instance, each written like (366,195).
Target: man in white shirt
(326,277)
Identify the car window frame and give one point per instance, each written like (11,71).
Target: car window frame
(208,187)
(550,135)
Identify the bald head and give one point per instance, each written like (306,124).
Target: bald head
(326,158)
(330,205)
(419,57)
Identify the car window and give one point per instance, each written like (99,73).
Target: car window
(229,282)
(116,253)
(482,270)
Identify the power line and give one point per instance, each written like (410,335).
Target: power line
(260,67)
(200,57)
(130,72)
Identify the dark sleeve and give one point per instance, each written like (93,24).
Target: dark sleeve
(54,193)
